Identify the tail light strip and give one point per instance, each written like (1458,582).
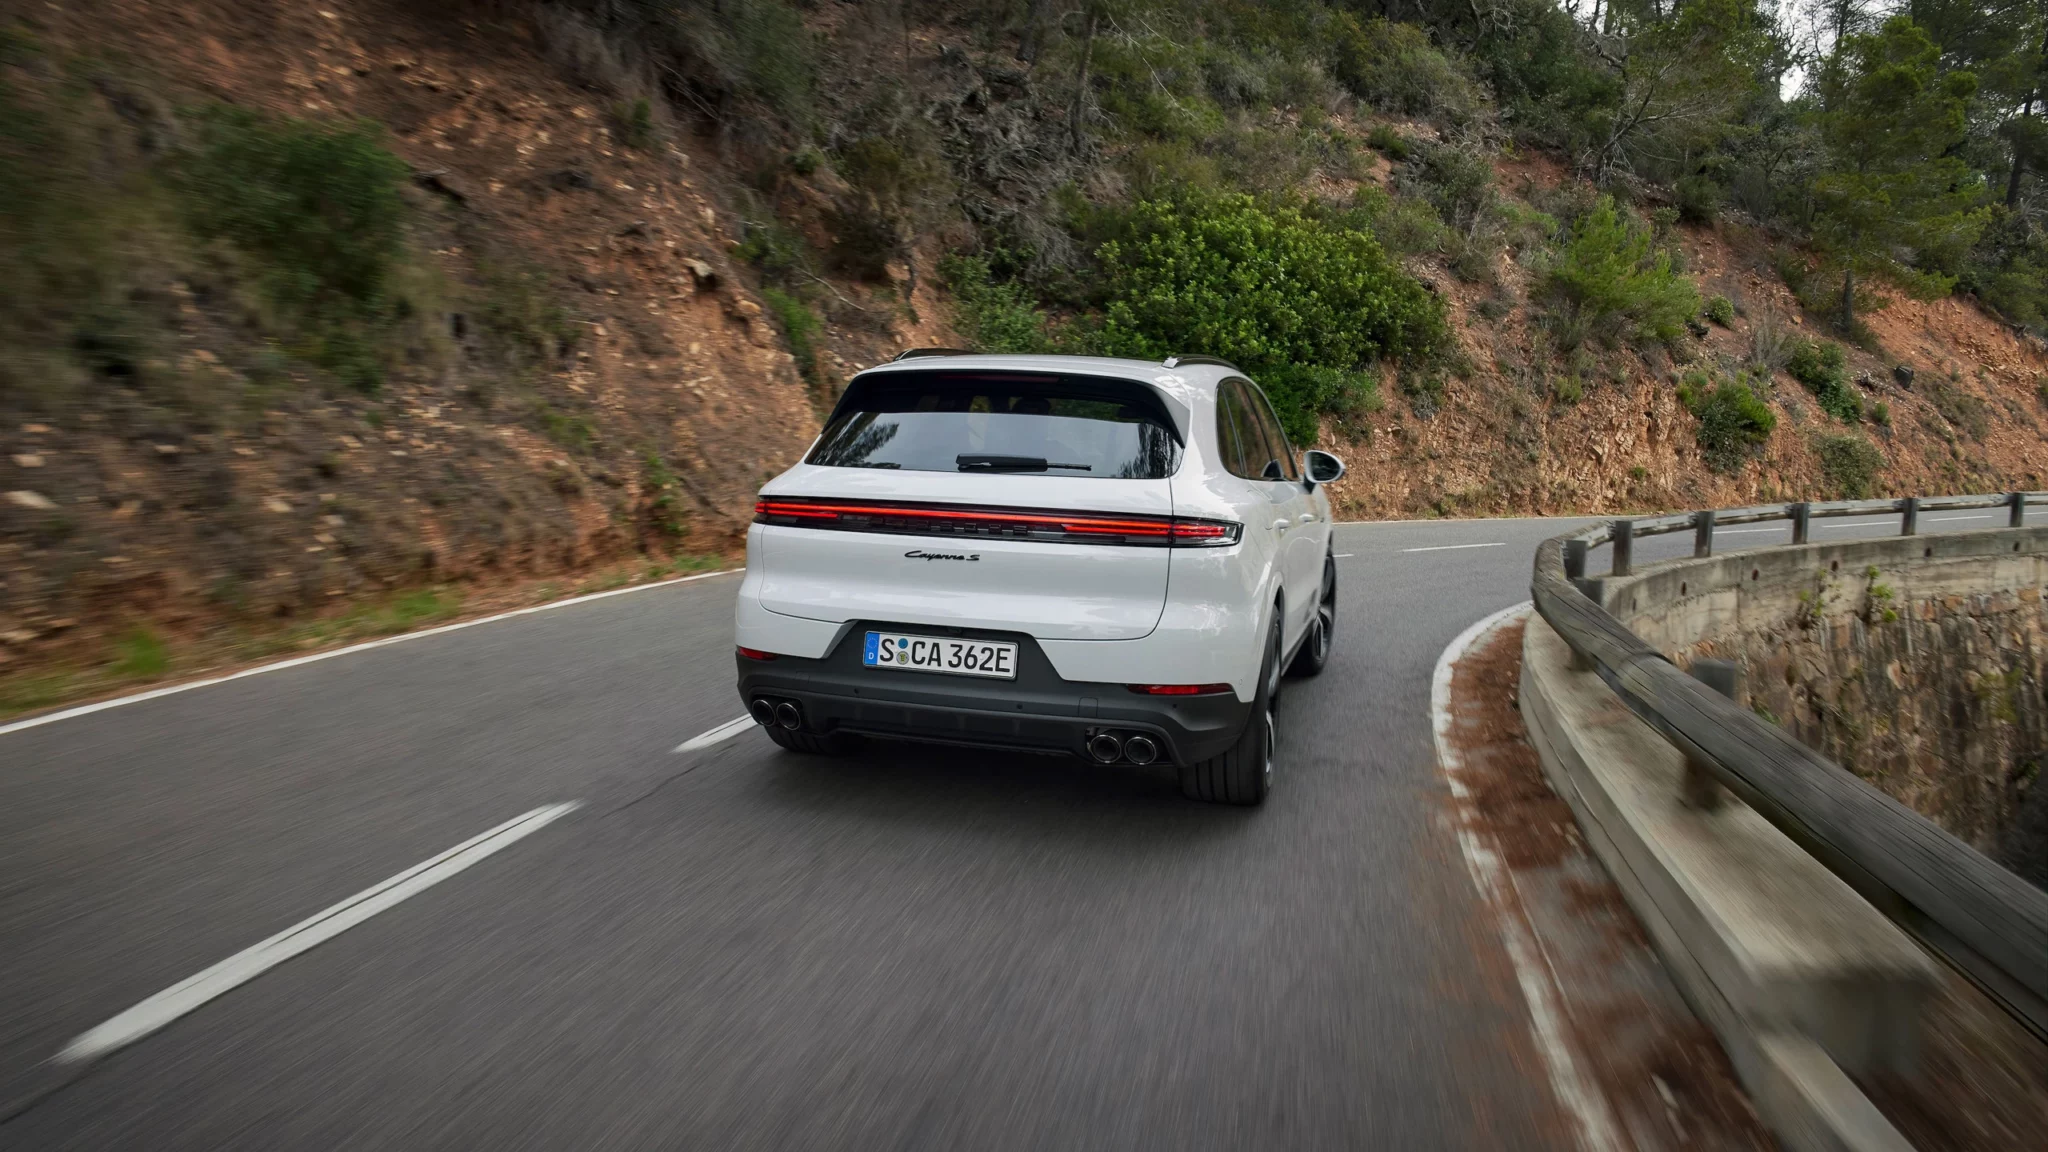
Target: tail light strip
(998,523)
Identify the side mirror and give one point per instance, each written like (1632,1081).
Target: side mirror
(1321,467)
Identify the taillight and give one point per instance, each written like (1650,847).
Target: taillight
(755,653)
(1187,533)
(998,523)
(1178,689)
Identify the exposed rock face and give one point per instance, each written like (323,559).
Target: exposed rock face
(1914,662)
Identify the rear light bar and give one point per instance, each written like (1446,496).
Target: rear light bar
(755,653)
(998,523)
(1178,689)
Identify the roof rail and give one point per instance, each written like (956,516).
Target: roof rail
(1177,361)
(915,353)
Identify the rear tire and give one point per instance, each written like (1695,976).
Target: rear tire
(809,743)
(1322,628)
(1243,773)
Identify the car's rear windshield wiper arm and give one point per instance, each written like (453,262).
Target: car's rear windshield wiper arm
(979,462)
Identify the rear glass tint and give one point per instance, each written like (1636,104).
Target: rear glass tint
(1006,423)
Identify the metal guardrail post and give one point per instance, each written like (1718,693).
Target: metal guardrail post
(1909,516)
(1624,546)
(1703,533)
(2018,500)
(1697,788)
(1802,521)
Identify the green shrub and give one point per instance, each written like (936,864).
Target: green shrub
(1850,463)
(1299,392)
(1394,67)
(1425,392)
(776,249)
(1409,227)
(1721,310)
(1457,182)
(1881,414)
(664,495)
(1266,287)
(801,329)
(995,316)
(572,430)
(1734,424)
(1822,367)
(1610,273)
(1388,142)
(1699,199)
(317,211)
(141,654)
(633,120)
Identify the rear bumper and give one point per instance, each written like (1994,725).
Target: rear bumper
(1037,712)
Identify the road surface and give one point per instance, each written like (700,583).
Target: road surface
(735,947)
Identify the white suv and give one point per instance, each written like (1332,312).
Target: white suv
(1109,558)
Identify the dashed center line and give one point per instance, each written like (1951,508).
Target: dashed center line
(1455,547)
(1343,555)
(725,731)
(251,962)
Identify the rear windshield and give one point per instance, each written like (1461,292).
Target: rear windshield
(1008,423)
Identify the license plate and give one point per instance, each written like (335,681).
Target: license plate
(994,658)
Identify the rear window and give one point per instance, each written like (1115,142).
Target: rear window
(1006,423)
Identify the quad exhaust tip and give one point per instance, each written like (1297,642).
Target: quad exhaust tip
(787,715)
(1140,750)
(1105,748)
(761,710)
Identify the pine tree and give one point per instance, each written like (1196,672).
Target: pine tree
(1894,189)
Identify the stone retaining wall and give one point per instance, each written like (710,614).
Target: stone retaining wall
(1915,662)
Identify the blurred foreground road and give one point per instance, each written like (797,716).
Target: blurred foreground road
(736,947)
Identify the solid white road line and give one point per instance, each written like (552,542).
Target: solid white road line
(1343,555)
(252,962)
(725,731)
(1576,1094)
(1455,547)
(294,662)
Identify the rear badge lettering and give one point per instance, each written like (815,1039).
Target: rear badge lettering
(921,554)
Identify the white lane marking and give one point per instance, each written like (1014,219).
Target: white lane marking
(1931,519)
(1579,1096)
(1343,555)
(1455,547)
(253,961)
(725,731)
(294,662)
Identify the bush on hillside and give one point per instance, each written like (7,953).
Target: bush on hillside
(1269,288)
(316,209)
(1395,68)
(1611,276)
(1850,463)
(1822,367)
(1734,424)
(994,315)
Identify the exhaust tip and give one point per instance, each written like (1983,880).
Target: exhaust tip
(1141,750)
(761,710)
(1105,748)
(786,714)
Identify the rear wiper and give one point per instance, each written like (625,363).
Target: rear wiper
(978,462)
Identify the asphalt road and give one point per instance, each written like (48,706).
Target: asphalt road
(737,947)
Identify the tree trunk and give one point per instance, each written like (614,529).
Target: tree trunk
(1033,40)
(1081,83)
(1848,300)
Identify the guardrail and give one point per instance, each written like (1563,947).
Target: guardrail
(1985,922)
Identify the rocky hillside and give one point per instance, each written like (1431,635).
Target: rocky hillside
(324,320)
